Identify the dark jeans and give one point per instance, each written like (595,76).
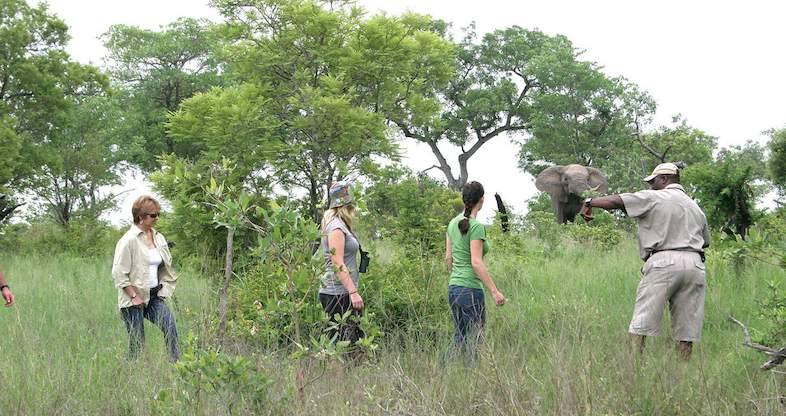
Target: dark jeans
(157,312)
(340,304)
(467,305)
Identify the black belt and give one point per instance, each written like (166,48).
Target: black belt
(154,290)
(701,253)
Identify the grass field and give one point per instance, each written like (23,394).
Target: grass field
(559,347)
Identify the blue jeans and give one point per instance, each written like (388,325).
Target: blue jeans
(468,308)
(157,312)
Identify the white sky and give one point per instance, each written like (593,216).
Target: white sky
(720,64)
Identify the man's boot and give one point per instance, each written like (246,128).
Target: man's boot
(684,348)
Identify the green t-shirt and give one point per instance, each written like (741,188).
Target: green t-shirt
(463,274)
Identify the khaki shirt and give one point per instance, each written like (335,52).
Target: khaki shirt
(668,220)
(131,266)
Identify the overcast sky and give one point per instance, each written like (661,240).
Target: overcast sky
(719,64)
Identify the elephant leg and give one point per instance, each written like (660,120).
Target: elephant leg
(572,208)
(559,212)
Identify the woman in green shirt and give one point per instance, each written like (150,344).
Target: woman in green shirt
(465,247)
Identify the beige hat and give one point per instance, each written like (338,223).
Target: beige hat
(662,169)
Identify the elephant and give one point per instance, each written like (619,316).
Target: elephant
(565,184)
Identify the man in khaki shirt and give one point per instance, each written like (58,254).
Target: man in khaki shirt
(673,234)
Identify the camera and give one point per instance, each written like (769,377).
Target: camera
(364,260)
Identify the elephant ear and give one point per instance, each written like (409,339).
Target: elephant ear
(597,180)
(550,181)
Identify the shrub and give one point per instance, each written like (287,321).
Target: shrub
(81,238)
(211,378)
(604,236)
(413,210)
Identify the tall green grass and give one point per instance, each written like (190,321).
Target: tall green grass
(558,347)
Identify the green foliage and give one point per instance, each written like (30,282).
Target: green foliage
(773,312)
(541,224)
(727,189)
(777,159)
(209,376)
(40,87)
(540,203)
(83,237)
(407,293)
(155,72)
(331,77)
(78,161)
(582,117)
(604,236)
(678,142)
(765,243)
(413,210)
(603,232)
(261,307)
(190,221)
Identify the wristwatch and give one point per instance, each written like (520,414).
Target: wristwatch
(588,202)
(4,286)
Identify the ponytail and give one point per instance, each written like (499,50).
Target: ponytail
(471,193)
(464,224)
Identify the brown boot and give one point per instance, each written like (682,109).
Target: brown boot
(685,348)
(638,342)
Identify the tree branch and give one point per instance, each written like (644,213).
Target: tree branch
(778,356)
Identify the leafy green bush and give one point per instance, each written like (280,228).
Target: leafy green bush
(262,307)
(604,236)
(210,378)
(773,311)
(81,238)
(413,210)
(407,294)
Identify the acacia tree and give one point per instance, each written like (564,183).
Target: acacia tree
(154,72)
(38,83)
(510,82)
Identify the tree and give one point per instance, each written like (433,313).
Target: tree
(512,81)
(584,120)
(232,143)
(155,72)
(777,159)
(728,188)
(678,142)
(332,78)
(79,160)
(38,82)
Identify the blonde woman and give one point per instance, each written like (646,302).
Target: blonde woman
(339,285)
(142,271)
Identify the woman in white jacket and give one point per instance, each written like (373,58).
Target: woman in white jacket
(142,271)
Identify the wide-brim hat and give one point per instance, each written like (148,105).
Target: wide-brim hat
(339,194)
(663,169)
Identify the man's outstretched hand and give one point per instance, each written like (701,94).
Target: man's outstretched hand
(586,213)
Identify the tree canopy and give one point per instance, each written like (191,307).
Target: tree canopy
(39,87)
